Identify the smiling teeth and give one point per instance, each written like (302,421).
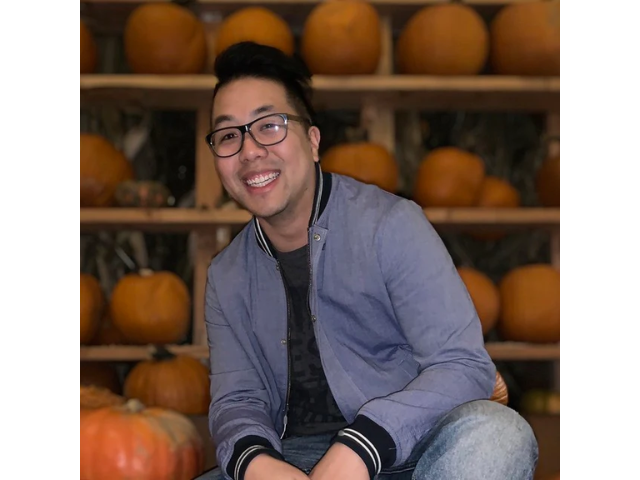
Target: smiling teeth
(262,180)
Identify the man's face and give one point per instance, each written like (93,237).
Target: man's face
(267,181)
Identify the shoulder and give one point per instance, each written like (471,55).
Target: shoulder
(367,205)
(233,256)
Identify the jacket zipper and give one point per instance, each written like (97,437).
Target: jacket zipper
(286,406)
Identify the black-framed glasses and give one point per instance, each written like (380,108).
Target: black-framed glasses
(265,131)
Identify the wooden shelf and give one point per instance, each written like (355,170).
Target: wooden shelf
(124,353)
(186,219)
(482,92)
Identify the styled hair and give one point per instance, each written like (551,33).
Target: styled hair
(252,60)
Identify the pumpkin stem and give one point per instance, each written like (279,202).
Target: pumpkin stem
(160,352)
(145,272)
(134,405)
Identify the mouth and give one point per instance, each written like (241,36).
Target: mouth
(261,180)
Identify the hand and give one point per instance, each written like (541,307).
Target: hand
(264,467)
(340,463)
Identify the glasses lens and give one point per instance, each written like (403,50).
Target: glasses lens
(227,141)
(269,130)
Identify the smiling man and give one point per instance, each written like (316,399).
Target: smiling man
(343,344)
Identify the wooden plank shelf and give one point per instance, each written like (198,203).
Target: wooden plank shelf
(188,219)
(480,92)
(499,351)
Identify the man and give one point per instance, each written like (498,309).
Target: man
(343,344)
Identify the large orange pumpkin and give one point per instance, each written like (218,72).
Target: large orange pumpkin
(178,382)
(131,441)
(525,39)
(530,304)
(151,307)
(496,192)
(92,306)
(164,38)
(255,24)
(449,177)
(88,50)
(548,182)
(100,374)
(368,162)
(102,168)
(484,294)
(342,38)
(447,39)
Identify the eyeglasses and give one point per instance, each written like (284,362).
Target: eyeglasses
(265,131)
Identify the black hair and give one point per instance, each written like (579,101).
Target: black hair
(250,59)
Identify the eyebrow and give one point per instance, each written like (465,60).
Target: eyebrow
(228,118)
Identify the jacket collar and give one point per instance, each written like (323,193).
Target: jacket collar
(320,199)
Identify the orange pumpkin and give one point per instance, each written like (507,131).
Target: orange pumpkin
(102,168)
(484,294)
(164,38)
(88,50)
(92,306)
(178,382)
(496,193)
(108,334)
(92,397)
(342,38)
(500,391)
(525,39)
(530,304)
(131,441)
(255,24)
(100,374)
(548,182)
(368,162)
(449,39)
(449,177)
(151,307)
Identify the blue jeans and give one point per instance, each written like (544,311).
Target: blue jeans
(477,440)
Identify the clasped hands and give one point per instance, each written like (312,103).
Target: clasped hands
(338,463)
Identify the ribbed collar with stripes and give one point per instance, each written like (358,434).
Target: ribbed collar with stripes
(320,198)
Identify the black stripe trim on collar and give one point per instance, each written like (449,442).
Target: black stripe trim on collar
(320,199)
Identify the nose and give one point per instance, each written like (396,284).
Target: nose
(251,150)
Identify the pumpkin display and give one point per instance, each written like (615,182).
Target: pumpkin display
(548,182)
(484,294)
(108,334)
(365,161)
(540,401)
(496,192)
(130,441)
(92,306)
(151,307)
(525,39)
(100,374)
(102,168)
(342,38)
(255,24)
(93,397)
(530,304)
(450,39)
(500,391)
(164,38)
(178,382)
(449,177)
(142,194)
(88,50)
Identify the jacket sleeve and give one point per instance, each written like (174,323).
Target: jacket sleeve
(239,420)
(440,323)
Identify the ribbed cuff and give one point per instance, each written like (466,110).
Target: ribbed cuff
(371,442)
(245,450)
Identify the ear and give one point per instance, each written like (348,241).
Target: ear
(314,140)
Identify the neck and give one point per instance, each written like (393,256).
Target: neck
(289,230)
